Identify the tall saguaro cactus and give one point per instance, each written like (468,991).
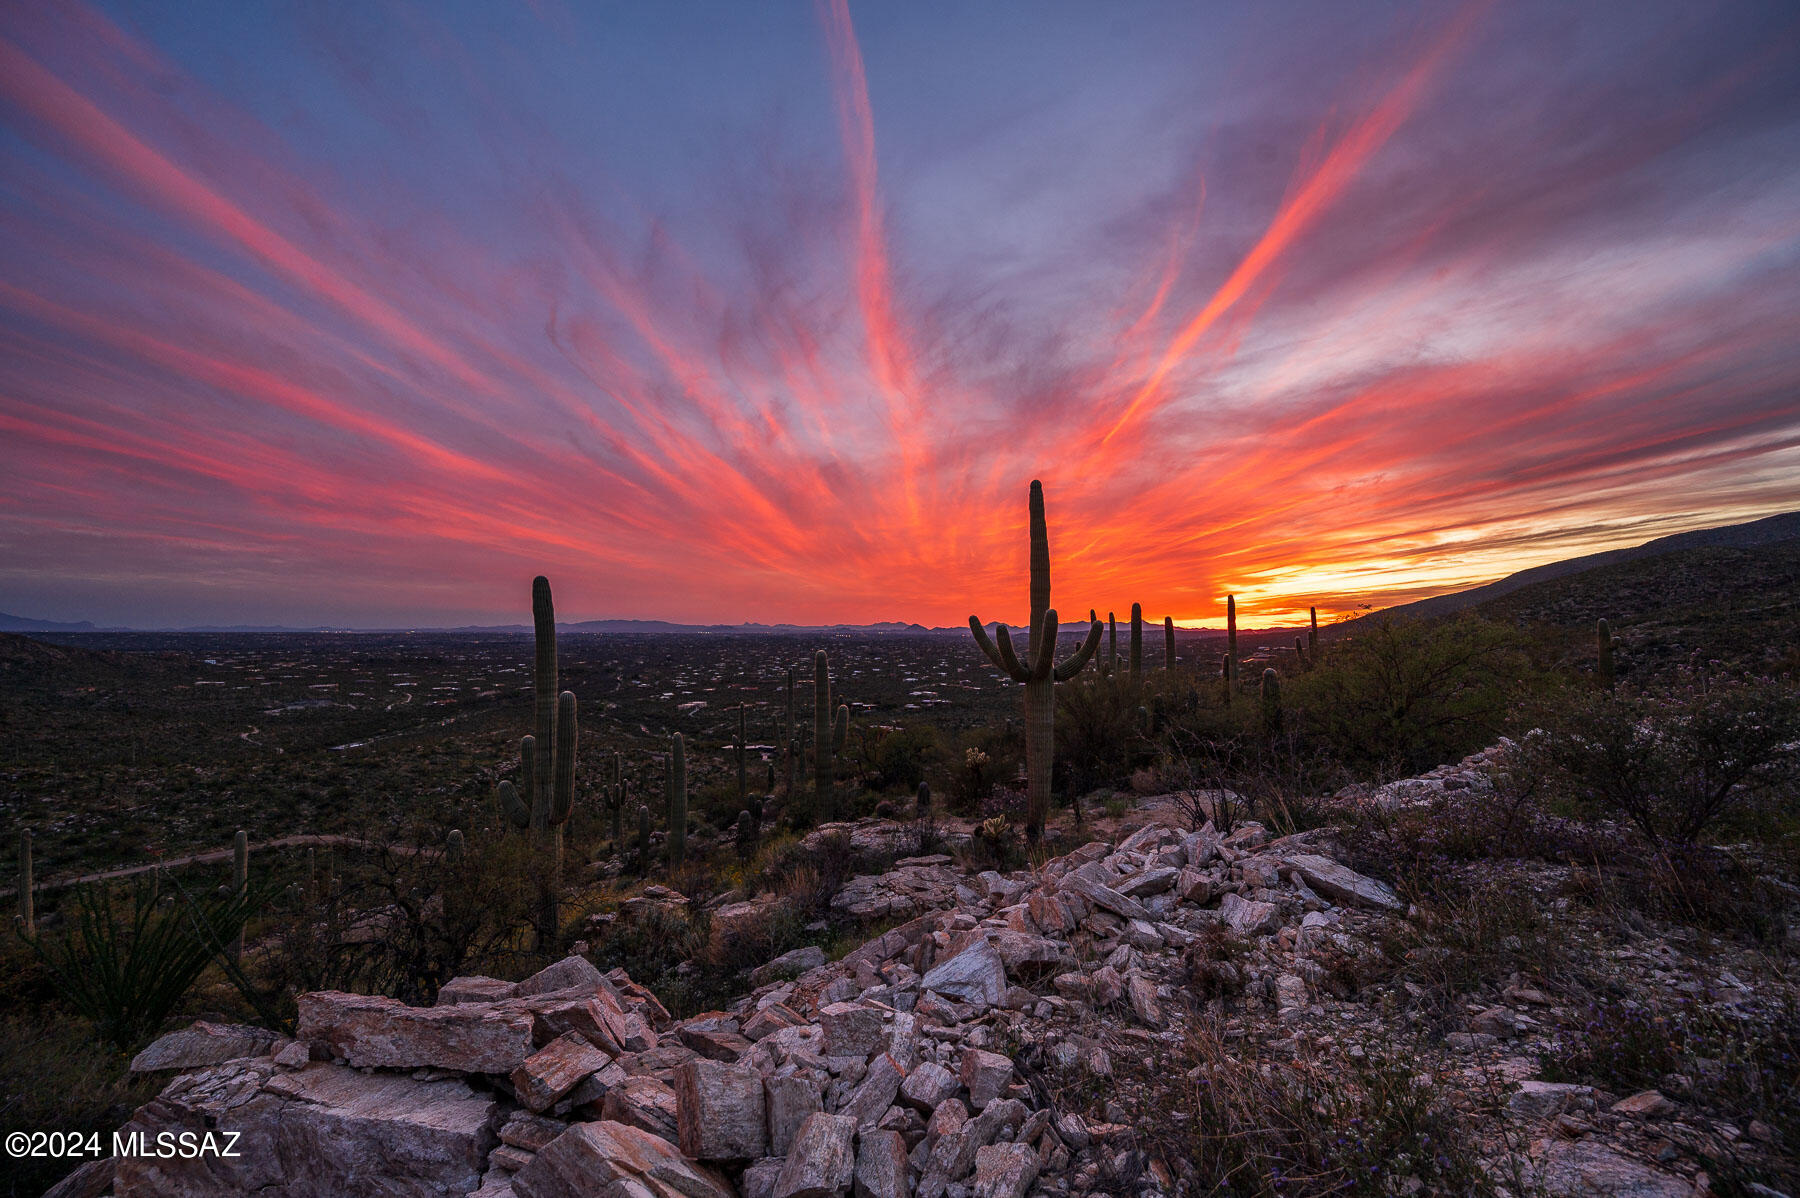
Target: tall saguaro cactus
(1604,641)
(829,736)
(1168,642)
(1312,635)
(1137,642)
(543,619)
(1039,672)
(1271,704)
(677,801)
(1231,654)
(1112,645)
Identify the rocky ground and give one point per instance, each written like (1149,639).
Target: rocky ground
(1074,1029)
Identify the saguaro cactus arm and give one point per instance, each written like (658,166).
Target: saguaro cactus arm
(1083,655)
(563,798)
(1004,660)
(517,813)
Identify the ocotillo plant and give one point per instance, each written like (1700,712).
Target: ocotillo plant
(1231,657)
(1271,704)
(1604,638)
(27,891)
(240,885)
(1137,642)
(1168,642)
(643,823)
(677,802)
(1039,672)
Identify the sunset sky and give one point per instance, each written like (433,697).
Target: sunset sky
(365,313)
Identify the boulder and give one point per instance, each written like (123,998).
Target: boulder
(1586,1168)
(975,975)
(1025,955)
(1004,1171)
(204,1044)
(719,1111)
(475,989)
(876,1092)
(852,1029)
(928,1085)
(566,974)
(987,1074)
(881,1164)
(1248,917)
(788,965)
(643,1103)
(385,1033)
(319,1132)
(822,1161)
(605,1159)
(555,1069)
(789,1100)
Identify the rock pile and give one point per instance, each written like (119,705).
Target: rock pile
(888,1073)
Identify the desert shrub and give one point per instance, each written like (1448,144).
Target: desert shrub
(55,1074)
(1100,733)
(983,757)
(1672,759)
(1458,944)
(1697,885)
(131,952)
(902,758)
(1396,696)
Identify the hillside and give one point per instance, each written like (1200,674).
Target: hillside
(1771,530)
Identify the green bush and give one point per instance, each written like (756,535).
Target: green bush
(1671,759)
(902,758)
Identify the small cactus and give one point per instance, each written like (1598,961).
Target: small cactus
(1137,642)
(1271,704)
(1299,654)
(746,835)
(924,803)
(27,887)
(453,846)
(678,799)
(1168,642)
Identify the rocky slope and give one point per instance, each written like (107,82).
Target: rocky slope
(1005,1037)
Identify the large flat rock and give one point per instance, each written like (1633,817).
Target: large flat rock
(466,1037)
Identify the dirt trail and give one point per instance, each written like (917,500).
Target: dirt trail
(219,856)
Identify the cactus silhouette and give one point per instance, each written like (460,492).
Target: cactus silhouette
(1168,642)
(1312,635)
(1271,704)
(1225,677)
(1137,642)
(1605,643)
(829,736)
(1299,654)
(643,823)
(1039,672)
(1231,656)
(543,618)
(1112,645)
(453,846)
(924,802)
(746,835)
(677,801)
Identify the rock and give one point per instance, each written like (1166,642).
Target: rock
(604,1160)
(987,1074)
(1248,917)
(759,1178)
(318,1132)
(366,1030)
(821,1163)
(1587,1169)
(719,1111)
(1194,887)
(881,1164)
(1494,1021)
(852,1029)
(928,1085)
(788,1101)
(771,1019)
(1097,892)
(566,974)
(292,1055)
(974,975)
(876,1092)
(1648,1104)
(715,1044)
(555,1069)
(474,989)
(1546,1100)
(788,965)
(204,1044)
(643,1103)
(1142,992)
(1004,1171)
(1341,884)
(1148,882)
(90,1180)
(531,1132)
(1025,955)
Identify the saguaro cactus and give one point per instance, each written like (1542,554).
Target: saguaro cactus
(1300,662)
(1605,643)
(1112,645)
(1225,678)
(1231,657)
(1312,635)
(677,801)
(543,618)
(829,736)
(453,846)
(643,839)
(1271,704)
(1137,642)
(746,835)
(1168,642)
(1039,672)
(27,887)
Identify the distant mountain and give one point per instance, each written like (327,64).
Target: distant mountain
(1772,530)
(22,624)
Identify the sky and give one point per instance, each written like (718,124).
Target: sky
(366,313)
